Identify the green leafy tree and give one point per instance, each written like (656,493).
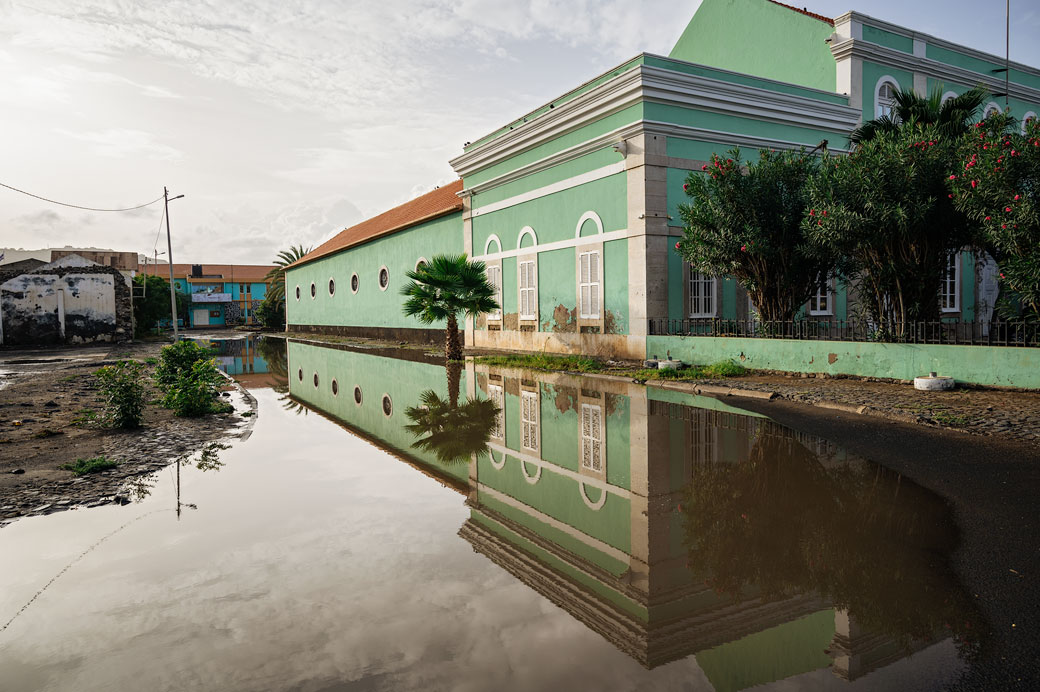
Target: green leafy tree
(154,306)
(748,224)
(444,288)
(997,185)
(176,360)
(885,213)
(276,277)
(949,119)
(271,313)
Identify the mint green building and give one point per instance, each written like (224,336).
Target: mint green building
(573,206)
(587,492)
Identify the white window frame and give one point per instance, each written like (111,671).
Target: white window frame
(494,275)
(590,285)
(527,295)
(379,276)
(703,281)
(591,431)
(991,107)
(947,96)
(951,301)
(889,102)
(497,396)
(530,420)
(824,290)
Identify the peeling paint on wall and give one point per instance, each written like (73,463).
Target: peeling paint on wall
(564,320)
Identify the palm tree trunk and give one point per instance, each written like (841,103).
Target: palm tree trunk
(452,347)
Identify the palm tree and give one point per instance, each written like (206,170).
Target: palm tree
(276,277)
(444,287)
(952,117)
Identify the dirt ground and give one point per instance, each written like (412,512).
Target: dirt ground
(49,410)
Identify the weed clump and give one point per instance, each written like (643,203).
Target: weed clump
(541,361)
(95,465)
(189,379)
(122,389)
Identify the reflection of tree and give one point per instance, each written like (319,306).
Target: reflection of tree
(452,432)
(274,350)
(859,535)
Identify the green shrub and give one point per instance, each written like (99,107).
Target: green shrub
(84,466)
(271,312)
(122,389)
(725,368)
(176,360)
(194,393)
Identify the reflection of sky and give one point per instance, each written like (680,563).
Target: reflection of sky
(313,558)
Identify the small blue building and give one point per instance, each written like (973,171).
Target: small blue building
(221,294)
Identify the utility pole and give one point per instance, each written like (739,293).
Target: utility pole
(169,258)
(1007,52)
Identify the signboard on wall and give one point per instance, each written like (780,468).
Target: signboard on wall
(211,297)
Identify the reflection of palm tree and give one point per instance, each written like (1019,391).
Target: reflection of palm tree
(452,432)
(274,351)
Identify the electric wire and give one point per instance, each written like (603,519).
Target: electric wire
(76,206)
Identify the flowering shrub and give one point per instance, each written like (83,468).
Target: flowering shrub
(885,212)
(997,185)
(747,224)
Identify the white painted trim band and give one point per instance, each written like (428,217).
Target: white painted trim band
(558,245)
(552,188)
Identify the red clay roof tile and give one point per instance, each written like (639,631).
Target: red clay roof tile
(443,200)
(253,273)
(805,11)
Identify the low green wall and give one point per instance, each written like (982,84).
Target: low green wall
(986,365)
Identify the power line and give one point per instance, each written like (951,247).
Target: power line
(155,245)
(76,206)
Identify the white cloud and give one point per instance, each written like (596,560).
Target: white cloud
(124,143)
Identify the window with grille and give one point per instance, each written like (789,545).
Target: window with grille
(589,284)
(529,417)
(702,295)
(592,437)
(494,275)
(821,301)
(886,100)
(495,395)
(949,293)
(528,304)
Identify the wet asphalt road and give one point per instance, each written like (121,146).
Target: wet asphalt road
(993,487)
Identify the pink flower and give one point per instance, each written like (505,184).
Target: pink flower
(1016,198)
(1003,225)
(988,218)
(1002,275)
(953,177)
(677,246)
(825,213)
(812,212)
(685,187)
(704,167)
(743,248)
(1007,208)
(950,195)
(974,183)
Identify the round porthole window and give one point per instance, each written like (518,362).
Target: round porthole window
(355,283)
(297,293)
(314,290)
(384,278)
(335,388)
(315,379)
(332,287)
(388,406)
(357,395)
(299,373)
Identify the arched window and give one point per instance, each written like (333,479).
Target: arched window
(991,108)
(885,97)
(1029,117)
(949,95)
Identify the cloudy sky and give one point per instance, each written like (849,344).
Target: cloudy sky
(283,122)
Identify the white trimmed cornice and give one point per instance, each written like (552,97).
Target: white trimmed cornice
(866,50)
(865,19)
(728,138)
(657,85)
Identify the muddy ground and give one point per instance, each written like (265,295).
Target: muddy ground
(49,416)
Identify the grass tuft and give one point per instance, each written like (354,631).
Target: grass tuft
(722,369)
(85,466)
(541,361)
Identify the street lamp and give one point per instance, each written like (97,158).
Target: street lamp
(169,256)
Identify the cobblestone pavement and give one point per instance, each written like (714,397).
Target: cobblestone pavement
(1009,414)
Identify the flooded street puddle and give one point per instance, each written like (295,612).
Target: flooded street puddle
(395,524)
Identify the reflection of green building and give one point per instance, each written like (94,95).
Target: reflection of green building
(585,496)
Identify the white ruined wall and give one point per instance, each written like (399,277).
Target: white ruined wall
(48,308)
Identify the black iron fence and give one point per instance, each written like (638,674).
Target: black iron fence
(996,333)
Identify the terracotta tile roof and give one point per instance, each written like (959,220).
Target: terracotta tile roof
(805,11)
(443,200)
(228,272)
